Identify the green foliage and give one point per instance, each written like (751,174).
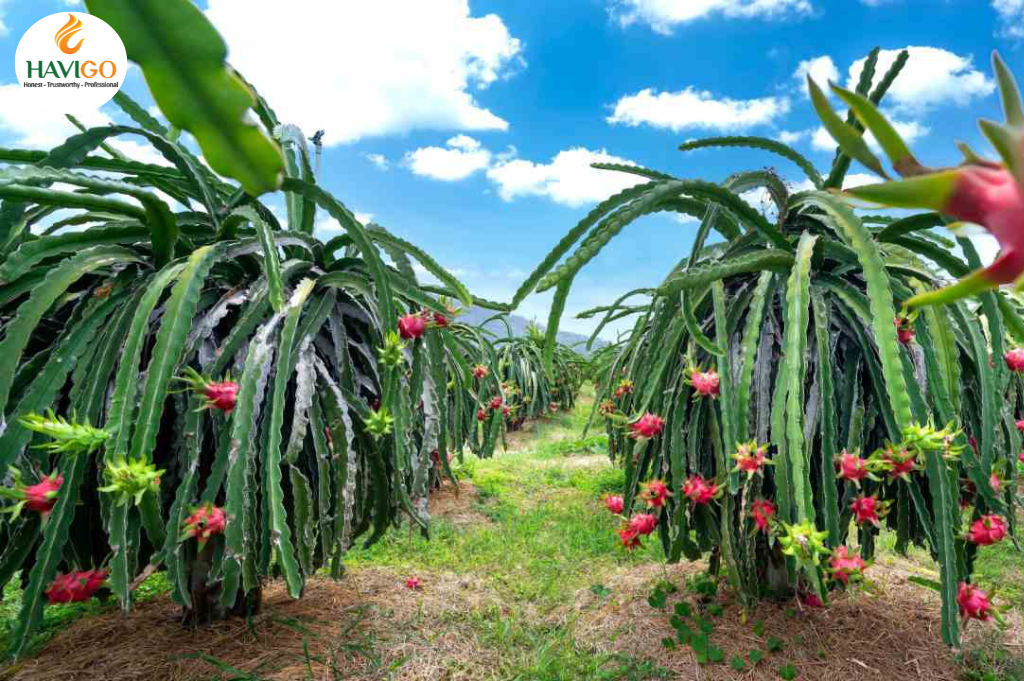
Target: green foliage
(97,323)
(795,311)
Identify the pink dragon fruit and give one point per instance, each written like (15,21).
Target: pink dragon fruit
(706,383)
(629,538)
(852,467)
(867,509)
(700,491)
(75,587)
(614,503)
(412,326)
(904,330)
(844,566)
(643,523)
(973,602)
(655,493)
(206,521)
(987,530)
(1014,359)
(41,496)
(480,371)
(647,426)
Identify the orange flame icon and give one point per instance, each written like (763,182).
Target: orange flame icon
(66,33)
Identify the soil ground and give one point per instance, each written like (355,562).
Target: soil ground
(522,580)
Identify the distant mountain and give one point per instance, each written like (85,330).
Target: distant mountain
(476,316)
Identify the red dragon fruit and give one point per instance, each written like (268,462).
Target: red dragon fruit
(762,511)
(987,530)
(41,496)
(867,509)
(700,491)
(480,371)
(705,383)
(974,603)
(614,503)
(496,402)
(904,330)
(629,538)
(844,566)
(1020,457)
(413,583)
(996,482)
(643,523)
(750,458)
(852,467)
(412,326)
(75,587)
(481,414)
(1020,425)
(441,321)
(218,394)
(655,493)
(647,426)
(206,521)
(505,411)
(1015,359)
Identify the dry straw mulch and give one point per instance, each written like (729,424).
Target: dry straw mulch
(355,629)
(891,632)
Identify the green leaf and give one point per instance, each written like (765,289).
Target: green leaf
(888,138)
(850,140)
(1009,92)
(183,60)
(764,143)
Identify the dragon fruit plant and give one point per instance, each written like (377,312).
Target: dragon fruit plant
(797,337)
(117,278)
(530,386)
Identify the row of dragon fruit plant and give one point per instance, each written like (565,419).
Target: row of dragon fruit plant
(190,384)
(797,384)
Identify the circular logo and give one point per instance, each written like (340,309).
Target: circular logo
(70,62)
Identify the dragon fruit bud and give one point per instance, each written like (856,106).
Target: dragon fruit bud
(614,503)
(867,509)
(700,491)
(1015,359)
(216,394)
(207,521)
(762,511)
(996,482)
(496,402)
(481,414)
(655,493)
(750,458)
(973,602)
(647,426)
(987,530)
(480,371)
(607,408)
(629,538)
(904,330)
(411,326)
(643,523)
(505,411)
(811,600)
(705,383)
(413,583)
(441,321)
(41,496)
(75,587)
(625,387)
(803,541)
(844,566)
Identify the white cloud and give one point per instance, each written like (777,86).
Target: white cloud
(26,124)
(692,109)
(664,15)
(932,76)
(329,225)
(462,157)
(792,136)
(568,179)
(362,69)
(378,160)
(1011,13)
(821,70)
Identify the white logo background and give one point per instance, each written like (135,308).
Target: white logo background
(99,43)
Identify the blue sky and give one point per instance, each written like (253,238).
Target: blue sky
(467,126)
